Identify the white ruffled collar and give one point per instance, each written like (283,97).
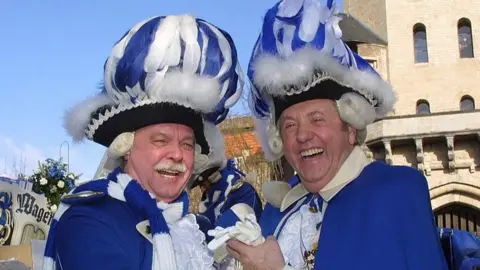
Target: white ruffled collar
(191,251)
(300,234)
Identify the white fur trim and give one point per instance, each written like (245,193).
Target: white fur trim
(78,117)
(274,73)
(190,90)
(121,145)
(199,93)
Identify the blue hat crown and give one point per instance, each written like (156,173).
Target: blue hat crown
(176,59)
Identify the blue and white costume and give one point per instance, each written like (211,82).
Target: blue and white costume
(173,69)
(229,186)
(370,216)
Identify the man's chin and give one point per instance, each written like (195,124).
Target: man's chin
(313,182)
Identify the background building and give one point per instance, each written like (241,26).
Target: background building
(431,58)
(429,50)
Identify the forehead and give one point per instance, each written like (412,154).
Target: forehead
(324,106)
(168,129)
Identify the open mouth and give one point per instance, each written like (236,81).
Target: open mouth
(311,153)
(169,173)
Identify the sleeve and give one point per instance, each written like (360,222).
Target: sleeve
(88,242)
(418,231)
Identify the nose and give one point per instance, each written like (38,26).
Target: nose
(304,134)
(175,153)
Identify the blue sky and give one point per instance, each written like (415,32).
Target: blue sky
(53,53)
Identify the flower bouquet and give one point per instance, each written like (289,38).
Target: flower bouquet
(53,181)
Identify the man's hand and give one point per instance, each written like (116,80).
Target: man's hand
(248,232)
(264,256)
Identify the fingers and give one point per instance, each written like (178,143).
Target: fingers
(271,238)
(216,231)
(234,253)
(238,246)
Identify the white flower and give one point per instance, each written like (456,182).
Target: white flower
(43,181)
(71,176)
(60,184)
(53,208)
(53,189)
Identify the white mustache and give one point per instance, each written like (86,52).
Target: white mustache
(171,166)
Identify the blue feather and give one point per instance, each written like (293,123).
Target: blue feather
(213,53)
(130,67)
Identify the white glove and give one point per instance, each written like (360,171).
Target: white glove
(247,231)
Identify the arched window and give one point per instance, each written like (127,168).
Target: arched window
(467,103)
(465,43)
(423,107)
(420,43)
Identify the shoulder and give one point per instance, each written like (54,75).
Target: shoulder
(102,213)
(392,176)
(383,184)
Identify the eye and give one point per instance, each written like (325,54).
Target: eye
(189,145)
(288,125)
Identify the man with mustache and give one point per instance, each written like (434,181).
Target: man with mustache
(167,83)
(313,98)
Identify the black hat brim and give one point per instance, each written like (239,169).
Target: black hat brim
(327,89)
(150,114)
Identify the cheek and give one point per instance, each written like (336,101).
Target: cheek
(289,147)
(189,159)
(289,141)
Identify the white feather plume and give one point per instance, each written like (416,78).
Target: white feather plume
(160,53)
(189,34)
(289,8)
(310,20)
(225,49)
(240,84)
(78,117)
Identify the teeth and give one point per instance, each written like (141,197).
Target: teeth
(169,171)
(311,152)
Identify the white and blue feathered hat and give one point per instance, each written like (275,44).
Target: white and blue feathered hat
(167,69)
(300,56)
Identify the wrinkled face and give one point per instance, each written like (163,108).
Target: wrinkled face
(316,141)
(162,159)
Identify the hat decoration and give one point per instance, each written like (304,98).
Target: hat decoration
(299,55)
(166,69)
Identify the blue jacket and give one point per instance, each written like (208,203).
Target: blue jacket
(102,235)
(381,220)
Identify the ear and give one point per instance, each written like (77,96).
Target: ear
(352,135)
